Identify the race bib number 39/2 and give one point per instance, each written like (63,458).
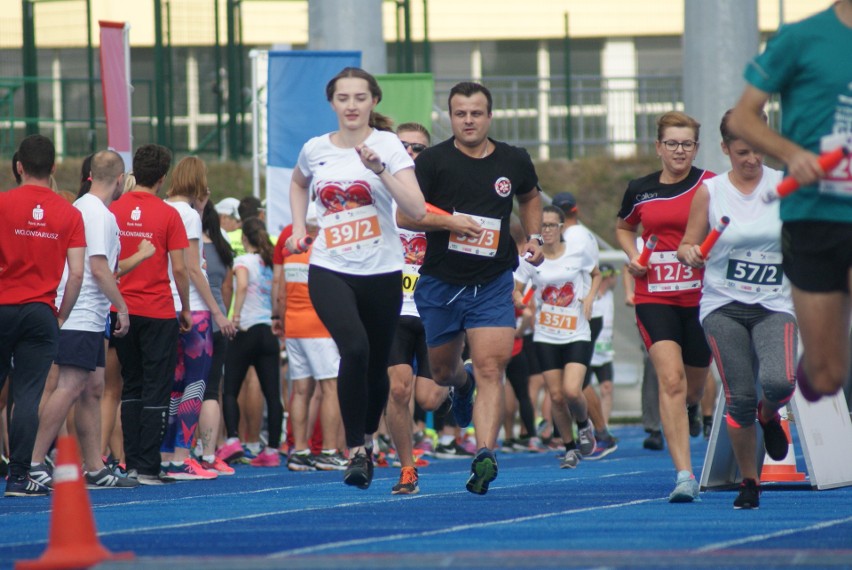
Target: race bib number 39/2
(666,274)
(352,230)
(485,244)
(754,271)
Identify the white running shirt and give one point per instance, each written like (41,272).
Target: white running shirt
(357,230)
(745,264)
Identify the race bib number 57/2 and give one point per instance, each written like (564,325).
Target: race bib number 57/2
(754,271)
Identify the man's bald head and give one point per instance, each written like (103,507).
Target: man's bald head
(107,165)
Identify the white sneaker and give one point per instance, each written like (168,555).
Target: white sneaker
(570,460)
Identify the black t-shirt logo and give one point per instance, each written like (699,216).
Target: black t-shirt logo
(503,187)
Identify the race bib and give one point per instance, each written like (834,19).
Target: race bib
(484,245)
(666,274)
(839,180)
(754,271)
(558,320)
(352,230)
(410,275)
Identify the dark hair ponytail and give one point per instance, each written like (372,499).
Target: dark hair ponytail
(210,225)
(255,232)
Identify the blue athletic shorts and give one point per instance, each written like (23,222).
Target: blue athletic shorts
(81,349)
(447,309)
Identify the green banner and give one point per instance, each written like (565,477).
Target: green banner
(407,97)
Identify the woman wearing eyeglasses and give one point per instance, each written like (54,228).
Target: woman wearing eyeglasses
(667,292)
(566,286)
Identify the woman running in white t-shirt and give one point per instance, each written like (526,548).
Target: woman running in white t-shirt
(746,306)
(354,175)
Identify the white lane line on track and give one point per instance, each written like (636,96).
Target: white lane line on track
(457,528)
(769,535)
(190,524)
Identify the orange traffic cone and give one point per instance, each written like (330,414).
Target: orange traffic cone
(784,470)
(72,542)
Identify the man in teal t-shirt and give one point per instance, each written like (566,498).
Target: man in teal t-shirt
(808,64)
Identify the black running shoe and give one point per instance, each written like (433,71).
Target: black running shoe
(106,479)
(42,474)
(483,470)
(694,420)
(407,484)
(654,441)
(462,398)
(25,487)
(360,471)
(749,497)
(774,438)
(301,462)
(451,451)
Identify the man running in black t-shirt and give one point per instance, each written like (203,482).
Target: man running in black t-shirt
(466,283)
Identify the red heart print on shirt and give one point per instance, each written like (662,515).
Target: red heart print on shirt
(415,249)
(337,196)
(560,297)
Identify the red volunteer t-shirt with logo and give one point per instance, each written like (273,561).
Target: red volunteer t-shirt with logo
(37,228)
(142,215)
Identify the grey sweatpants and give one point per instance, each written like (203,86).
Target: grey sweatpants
(749,341)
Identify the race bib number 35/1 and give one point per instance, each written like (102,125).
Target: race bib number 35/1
(485,244)
(352,230)
(666,273)
(558,320)
(754,271)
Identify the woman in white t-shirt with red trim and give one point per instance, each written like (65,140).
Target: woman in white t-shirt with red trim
(354,175)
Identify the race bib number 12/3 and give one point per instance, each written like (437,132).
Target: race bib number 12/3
(666,273)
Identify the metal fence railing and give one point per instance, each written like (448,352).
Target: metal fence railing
(613,116)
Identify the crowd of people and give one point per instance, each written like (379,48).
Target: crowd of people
(406,285)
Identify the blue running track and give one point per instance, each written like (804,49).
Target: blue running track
(611,513)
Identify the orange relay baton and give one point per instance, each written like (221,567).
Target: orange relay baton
(713,236)
(789,185)
(650,246)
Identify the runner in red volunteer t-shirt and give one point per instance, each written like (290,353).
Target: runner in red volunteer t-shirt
(148,354)
(39,231)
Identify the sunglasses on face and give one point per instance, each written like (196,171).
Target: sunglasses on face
(416,147)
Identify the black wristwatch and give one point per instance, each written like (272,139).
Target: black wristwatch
(537,237)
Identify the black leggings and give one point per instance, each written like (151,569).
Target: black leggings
(596,324)
(518,373)
(256,347)
(361,314)
(217,366)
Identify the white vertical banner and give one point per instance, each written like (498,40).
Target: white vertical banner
(116,88)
